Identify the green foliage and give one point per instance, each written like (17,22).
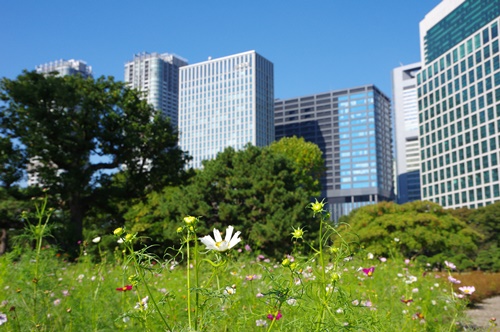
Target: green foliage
(12,160)
(78,130)
(307,160)
(421,228)
(256,190)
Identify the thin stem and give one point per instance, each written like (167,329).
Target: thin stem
(188,281)
(322,289)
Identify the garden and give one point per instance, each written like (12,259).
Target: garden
(217,282)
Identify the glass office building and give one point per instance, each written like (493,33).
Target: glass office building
(404,98)
(352,128)
(157,76)
(459,103)
(225,102)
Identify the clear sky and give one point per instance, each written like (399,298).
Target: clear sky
(315,45)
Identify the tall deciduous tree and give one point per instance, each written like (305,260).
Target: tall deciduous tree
(78,130)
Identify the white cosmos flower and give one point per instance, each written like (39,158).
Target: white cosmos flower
(219,244)
(96,239)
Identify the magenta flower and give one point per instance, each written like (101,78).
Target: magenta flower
(124,288)
(369,272)
(272,317)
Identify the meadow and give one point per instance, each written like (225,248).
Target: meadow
(215,282)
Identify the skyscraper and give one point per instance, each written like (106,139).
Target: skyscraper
(404,92)
(352,127)
(157,76)
(225,102)
(459,103)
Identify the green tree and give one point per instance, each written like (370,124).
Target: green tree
(12,161)
(422,228)
(307,160)
(256,190)
(79,130)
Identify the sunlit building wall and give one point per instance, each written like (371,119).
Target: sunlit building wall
(226,102)
(459,103)
(405,106)
(157,77)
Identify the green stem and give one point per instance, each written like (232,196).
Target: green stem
(197,284)
(322,289)
(188,283)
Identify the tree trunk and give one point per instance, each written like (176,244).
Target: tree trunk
(3,241)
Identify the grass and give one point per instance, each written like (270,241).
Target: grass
(249,288)
(328,289)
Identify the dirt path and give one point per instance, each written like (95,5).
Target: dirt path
(484,311)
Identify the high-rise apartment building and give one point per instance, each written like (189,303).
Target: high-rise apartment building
(225,102)
(405,106)
(459,103)
(66,67)
(157,76)
(63,68)
(352,127)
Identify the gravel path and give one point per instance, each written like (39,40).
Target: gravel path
(481,314)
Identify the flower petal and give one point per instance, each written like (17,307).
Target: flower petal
(229,233)
(217,236)
(208,242)
(235,240)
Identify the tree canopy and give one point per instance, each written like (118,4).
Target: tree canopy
(422,229)
(76,132)
(257,190)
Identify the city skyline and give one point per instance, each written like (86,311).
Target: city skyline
(340,41)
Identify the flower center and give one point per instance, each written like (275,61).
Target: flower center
(220,243)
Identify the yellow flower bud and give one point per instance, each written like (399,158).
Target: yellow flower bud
(286,262)
(128,237)
(297,233)
(335,276)
(189,220)
(317,207)
(179,229)
(119,231)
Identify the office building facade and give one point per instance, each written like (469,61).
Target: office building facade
(459,103)
(352,127)
(225,102)
(407,145)
(157,76)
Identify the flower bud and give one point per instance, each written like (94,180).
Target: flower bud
(189,220)
(119,231)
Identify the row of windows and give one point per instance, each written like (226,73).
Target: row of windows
(458,53)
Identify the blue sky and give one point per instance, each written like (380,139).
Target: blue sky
(316,45)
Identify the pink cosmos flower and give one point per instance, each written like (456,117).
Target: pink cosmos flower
(467,290)
(124,288)
(450,265)
(369,272)
(453,280)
